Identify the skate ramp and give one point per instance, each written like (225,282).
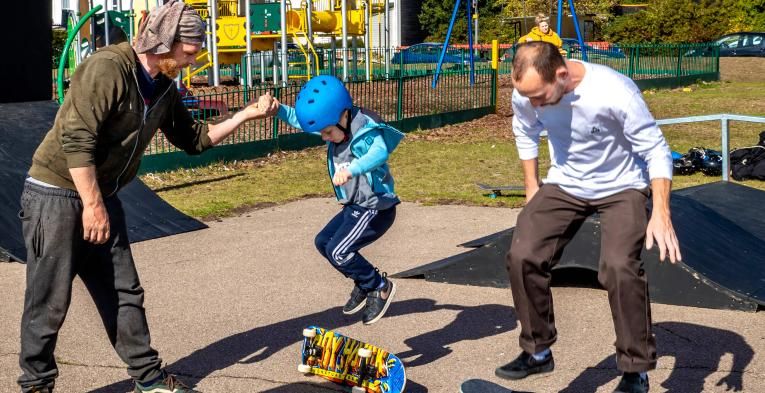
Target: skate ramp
(23,126)
(721,229)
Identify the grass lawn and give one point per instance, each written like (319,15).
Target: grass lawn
(442,166)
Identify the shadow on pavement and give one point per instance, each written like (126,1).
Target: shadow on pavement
(472,323)
(697,351)
(260,343)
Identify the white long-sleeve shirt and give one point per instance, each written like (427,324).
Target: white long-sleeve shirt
(602,137)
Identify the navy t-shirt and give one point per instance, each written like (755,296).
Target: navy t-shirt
(147,85)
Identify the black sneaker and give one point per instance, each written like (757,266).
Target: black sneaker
(378,301)
(356,302)
(525,365)
(167,384)
(632,383)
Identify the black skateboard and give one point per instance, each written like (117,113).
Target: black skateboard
(497,190)
(482,386)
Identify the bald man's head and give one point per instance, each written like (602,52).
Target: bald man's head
(539,73)
(541,56)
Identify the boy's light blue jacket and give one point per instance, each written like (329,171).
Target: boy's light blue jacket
(371,144)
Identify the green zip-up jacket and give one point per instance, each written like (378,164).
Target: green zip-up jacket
(105,123)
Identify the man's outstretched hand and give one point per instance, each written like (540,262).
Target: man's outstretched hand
(266,106)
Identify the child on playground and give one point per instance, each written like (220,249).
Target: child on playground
(358,146)
(543,32)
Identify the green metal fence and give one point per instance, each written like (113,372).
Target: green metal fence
(649,65)
(402,95)
(406,102)
(641,62)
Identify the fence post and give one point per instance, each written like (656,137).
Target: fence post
(400,62)
(495,72)
(717,61)
(679,72)
(400,99)
(275,123)
(631,65)
(725,149)
(246,61)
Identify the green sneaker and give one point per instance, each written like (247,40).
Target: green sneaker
(167,385)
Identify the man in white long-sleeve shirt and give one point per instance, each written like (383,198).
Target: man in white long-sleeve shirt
(608,157)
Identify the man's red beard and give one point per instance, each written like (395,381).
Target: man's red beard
(169,67)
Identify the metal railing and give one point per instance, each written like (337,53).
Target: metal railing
(724,120)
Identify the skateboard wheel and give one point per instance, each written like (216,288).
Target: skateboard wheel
(358,389)
(364,352)
(304,368)
(310,333)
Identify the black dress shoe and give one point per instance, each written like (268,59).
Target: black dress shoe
(525,365)
(632,383)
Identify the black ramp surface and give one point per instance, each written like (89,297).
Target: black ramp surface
(717,226)
(741,204)
(720,249)
(22,127)
(482,241)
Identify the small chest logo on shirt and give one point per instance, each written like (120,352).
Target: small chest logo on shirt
(355,214)
(341,166)
(595,130)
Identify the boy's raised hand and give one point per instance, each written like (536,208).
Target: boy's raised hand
(269,104)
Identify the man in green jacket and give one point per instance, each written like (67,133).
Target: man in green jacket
(72,218)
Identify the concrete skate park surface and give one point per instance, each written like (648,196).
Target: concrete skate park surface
(226,308)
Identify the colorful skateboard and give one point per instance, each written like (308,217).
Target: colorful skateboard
(497,190)
(347,361)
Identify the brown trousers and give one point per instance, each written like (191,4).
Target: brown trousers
(545,226)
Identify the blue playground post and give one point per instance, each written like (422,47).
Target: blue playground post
(449,36)
(446,43)
(576,25)
(578,33)
(470,40)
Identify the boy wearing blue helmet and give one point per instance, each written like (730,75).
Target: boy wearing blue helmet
(358,146)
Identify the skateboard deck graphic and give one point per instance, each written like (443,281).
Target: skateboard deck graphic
(364,367)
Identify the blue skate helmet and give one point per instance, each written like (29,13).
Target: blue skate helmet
(321,102)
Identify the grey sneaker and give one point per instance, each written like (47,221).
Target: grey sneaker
(168,384)
(378,301)
(357,301)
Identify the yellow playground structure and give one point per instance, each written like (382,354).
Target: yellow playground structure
(280,33)
(273,24)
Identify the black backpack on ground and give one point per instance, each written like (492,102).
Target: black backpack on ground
(749,162)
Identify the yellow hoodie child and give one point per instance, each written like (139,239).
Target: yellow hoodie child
(536,35)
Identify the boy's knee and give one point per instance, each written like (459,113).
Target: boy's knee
(320,242)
